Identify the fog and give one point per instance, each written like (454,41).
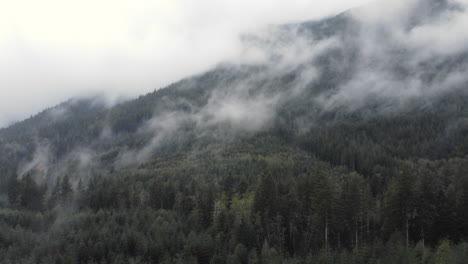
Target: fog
(53,50)
(405,51)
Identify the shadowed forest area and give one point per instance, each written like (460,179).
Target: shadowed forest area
(347,144)
(257,200)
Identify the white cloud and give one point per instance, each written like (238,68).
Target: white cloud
(52,50)
(402,44)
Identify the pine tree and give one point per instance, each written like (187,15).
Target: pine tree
(32,195)
(66,190)
(14,189)
(356,203)
(55,195)
(425,204)
(266,198)
(80,193)
(400,204)
(324,198)
(463,204)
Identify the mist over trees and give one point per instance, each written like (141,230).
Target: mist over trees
(325,150)
(257,201)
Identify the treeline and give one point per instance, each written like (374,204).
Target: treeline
(272,205)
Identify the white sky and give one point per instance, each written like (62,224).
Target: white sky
(51,50)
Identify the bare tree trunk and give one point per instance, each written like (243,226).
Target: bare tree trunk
(360,223)
(356,233)
(326,230)
(339,240)
(309,237)
(407,233)
(422,236)
(368,227)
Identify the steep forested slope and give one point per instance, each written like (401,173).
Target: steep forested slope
(325,151)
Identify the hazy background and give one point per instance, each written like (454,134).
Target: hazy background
(52,50)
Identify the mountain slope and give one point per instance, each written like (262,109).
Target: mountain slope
(316,75)
(343,140)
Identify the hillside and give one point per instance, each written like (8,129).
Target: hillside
(322,151)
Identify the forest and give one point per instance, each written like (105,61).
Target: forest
(257,200)
(336,155)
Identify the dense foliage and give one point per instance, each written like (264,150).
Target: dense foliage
(255,201)
(245,164)
(353,187)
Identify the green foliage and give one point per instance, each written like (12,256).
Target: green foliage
(444,253)
(312,186)
(281,206)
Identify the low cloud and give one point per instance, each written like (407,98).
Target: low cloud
(408,50)
(53,50)
(387,57)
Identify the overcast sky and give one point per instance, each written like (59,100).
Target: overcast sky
(52,50)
